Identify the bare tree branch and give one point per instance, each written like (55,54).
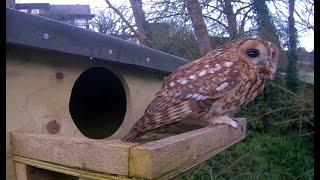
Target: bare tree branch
(215,20)
(122,17)
(141,21)
(199,26)
(241,29)
(238,11)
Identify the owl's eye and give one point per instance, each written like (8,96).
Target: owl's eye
(253,53)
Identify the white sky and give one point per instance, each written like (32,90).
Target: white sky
(306,40)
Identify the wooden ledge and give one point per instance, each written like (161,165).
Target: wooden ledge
(164,158)
(96,155)
(169,157)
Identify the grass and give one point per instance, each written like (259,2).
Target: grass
(261,156)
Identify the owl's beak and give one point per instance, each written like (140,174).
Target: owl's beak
(264,62)
(266,65)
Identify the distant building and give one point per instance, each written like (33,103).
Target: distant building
(77,15)
(306,61)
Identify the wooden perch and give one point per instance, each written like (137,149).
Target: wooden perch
(161,159)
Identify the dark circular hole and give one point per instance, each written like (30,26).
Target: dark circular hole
(98,103)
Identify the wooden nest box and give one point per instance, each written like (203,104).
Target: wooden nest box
(72,93)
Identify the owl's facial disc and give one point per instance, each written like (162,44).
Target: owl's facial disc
(260,55)
(268,64)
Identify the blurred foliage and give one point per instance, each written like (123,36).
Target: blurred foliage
(292,79)
(172,39)
(168,38)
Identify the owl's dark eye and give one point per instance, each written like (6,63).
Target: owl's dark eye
(253,53)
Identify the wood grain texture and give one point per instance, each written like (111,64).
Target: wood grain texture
(172,156)
(161,159)
(21,171)
(97,155)
(85,174)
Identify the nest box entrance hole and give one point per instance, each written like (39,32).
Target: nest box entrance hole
(98,102)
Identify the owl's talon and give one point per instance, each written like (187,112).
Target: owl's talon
(236,124)
(241,128)
(235,120)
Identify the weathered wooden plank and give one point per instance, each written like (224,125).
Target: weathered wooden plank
(96,155)
(171,156)
(66,170)
(21,171)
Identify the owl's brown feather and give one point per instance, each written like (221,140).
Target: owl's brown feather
(150,121)
(218,83)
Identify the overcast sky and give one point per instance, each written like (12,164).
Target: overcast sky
(306,40)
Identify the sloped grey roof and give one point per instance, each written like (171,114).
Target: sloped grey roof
(43,33)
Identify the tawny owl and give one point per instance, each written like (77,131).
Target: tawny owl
(212,87)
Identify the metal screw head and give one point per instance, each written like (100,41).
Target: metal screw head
(148,59)
(59,75)
(53,127)
(45,36)
(110,51)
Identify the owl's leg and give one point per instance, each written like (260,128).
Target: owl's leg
(224,120)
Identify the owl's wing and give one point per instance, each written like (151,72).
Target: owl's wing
(200,82)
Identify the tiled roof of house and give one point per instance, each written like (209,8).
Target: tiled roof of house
(69,9)
(58,11)
(32,5)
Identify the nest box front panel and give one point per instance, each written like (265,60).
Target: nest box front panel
(40,84)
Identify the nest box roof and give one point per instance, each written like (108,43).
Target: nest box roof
(44,33)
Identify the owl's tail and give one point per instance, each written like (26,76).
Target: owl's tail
(134,132)
(132,135)
(150,122)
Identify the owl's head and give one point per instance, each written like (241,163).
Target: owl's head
(260,55)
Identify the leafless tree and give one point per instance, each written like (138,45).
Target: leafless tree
(292,81)
(116,10)
(304,9)
(229,16)
(199,26)
(108,22)
(141,22)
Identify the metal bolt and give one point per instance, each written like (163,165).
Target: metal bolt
(148,59)
(110,51)
(45,36)
(59,75)
(53,127)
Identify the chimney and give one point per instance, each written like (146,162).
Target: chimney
(10,3)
